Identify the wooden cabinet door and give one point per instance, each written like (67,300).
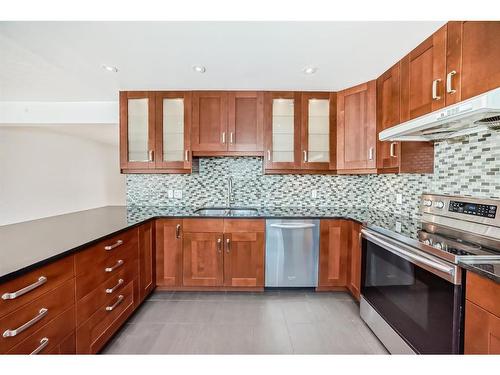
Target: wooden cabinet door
(245,121)
(137,130)
(354,284)
(173,130)
(203,259)
(282,130)
(482,330)
(421,70)
(333,253)
(244,258)
(209,128)
(356,127)
(318,135)
(146,260)
(168,252)
(473,55)
(388,115)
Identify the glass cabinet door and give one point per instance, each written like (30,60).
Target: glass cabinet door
(137,133)
(282,129)
(316,131)
(173,119)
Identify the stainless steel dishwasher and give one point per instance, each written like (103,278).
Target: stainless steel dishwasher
(292,248)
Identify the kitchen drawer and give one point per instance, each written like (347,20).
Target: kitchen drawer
(85,283)
(51,337)
(86,260)
(99,296)
(483,292)
(51,275)
(38,312)
(96,331)
(203,225)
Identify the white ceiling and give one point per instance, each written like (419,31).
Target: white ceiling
(61,61)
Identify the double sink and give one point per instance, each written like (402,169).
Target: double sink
(226,211)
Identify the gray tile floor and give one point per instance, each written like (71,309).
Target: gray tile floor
(274,322)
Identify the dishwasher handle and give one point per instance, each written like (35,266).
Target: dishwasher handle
(293,225)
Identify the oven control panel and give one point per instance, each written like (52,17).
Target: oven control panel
(475,209)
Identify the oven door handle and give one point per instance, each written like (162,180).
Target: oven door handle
(409,255)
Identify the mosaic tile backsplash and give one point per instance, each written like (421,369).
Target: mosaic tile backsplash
(470,167)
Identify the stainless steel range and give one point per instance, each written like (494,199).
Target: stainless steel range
(412,288)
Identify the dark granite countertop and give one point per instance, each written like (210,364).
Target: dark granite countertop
(30,244)
(489,269)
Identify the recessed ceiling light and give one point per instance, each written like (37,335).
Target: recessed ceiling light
(199,68)
(309,70)
(109,68)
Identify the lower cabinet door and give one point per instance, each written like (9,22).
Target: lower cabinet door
(168,252)
(203,259)
(244,259)
(333,253)
(482,331)
(354,284)
(146,261)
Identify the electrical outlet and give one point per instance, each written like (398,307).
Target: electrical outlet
(178,194)
(399,198)
(398,227)
(314,194)
(170,193)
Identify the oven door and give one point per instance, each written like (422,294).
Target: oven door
(416,295)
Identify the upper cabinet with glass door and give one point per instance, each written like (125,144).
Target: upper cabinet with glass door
(282,131)
(318,130)
(137,131)
(173,125)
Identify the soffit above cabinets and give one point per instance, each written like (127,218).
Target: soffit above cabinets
(62,61)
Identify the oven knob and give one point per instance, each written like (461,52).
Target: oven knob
(439,204)
(427,202)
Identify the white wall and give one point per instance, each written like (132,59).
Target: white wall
(53,169)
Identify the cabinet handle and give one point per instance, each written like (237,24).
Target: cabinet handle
(178,231)
(449,88)
(393,150)
(41,280)
(111,290)
(223,137)
(111,269)
(269,155)
(114,305)
(115,245)
(15,332)
(186,155)
(435,95)
(228,245)
(231,137)
(151,155)
(219,245)
(370,153)
(43,343)
(305,156)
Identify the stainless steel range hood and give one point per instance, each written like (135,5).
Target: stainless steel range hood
(470,116)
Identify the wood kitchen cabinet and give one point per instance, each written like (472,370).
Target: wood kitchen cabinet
(209,130)
(398,157)
(168,252)
(244,253)
(245,122)
(357,129)
(473,53)
(147,280)
(333,253)
(354,260)
(482,315)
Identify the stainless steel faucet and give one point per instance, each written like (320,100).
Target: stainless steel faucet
(230,199)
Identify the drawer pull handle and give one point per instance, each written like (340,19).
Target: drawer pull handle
(111,247)
(43,343)
(111,269)
(114,305)
(111,290)
(15,332)
(41,280)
